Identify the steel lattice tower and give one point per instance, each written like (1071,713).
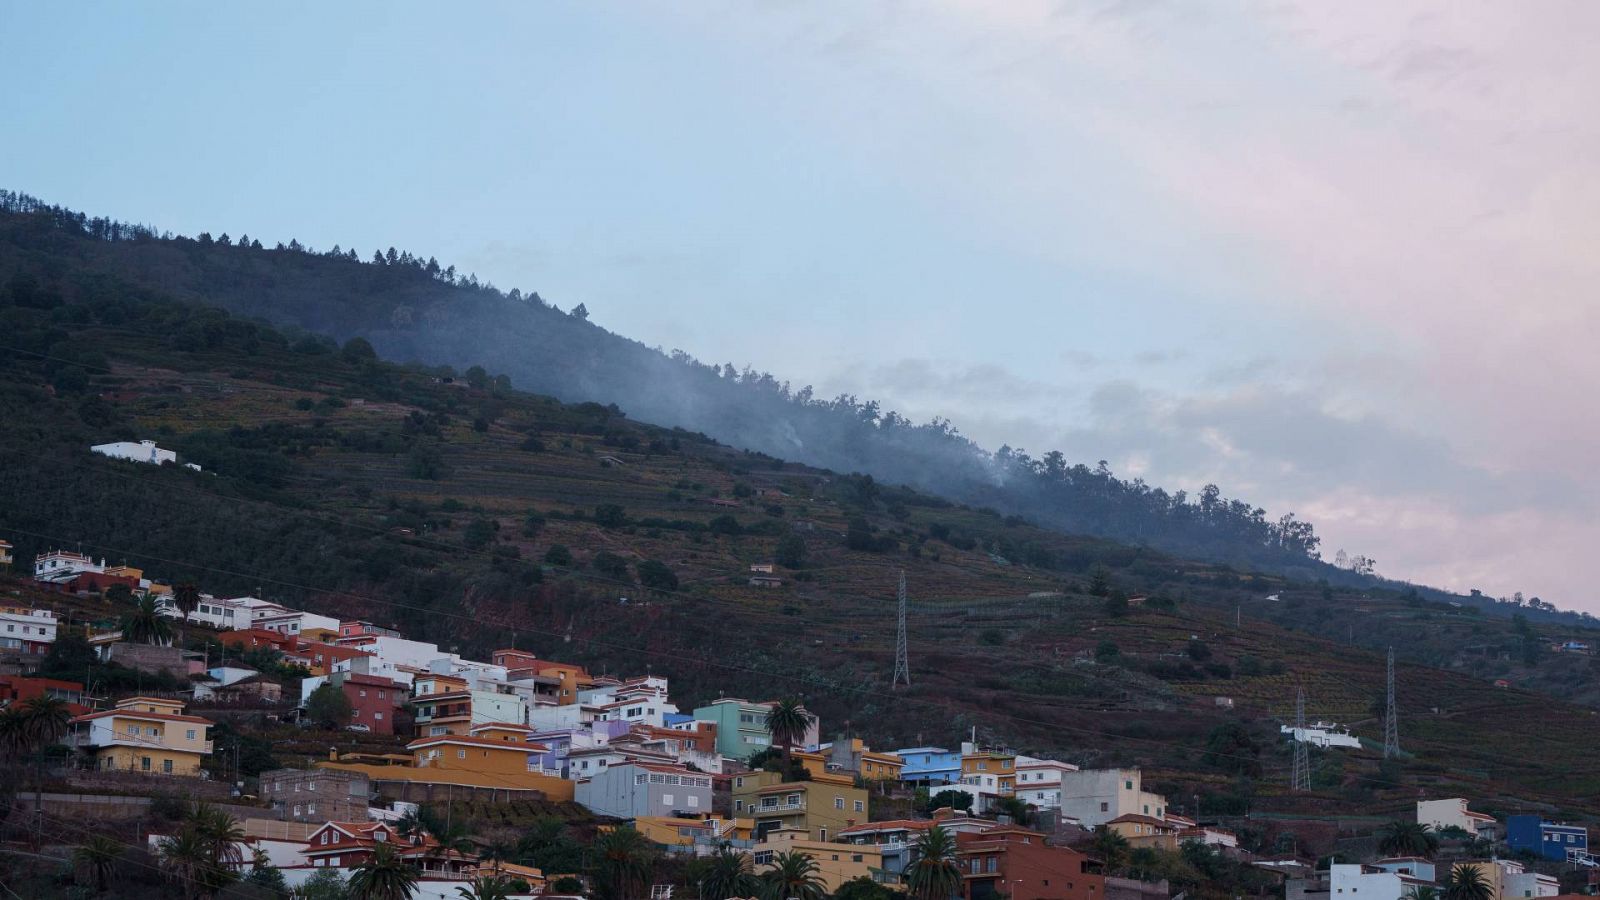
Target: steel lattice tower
(1302,760)
(1391,718)
(902,657)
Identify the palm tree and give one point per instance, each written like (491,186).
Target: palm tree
(787,722)
(186,858)
(96,861)
(624,864)
(146,624)
(489,887)
(185,596)
(1015,807)
(384,876)
(934,875)
(221,833)
(1407,839)
(1111,847)
(1467,882)
(728,874)
(40,722)
(793,874)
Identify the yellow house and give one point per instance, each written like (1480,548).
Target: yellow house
(125,572)
(851,757)
(836,863)
(467,761)
(143,734)
(821,807)
(995,770)
(676,831)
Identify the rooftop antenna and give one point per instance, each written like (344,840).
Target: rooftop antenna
(902,657)
(1391,718)
(1302,762)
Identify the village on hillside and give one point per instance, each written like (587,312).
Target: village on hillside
(737,797)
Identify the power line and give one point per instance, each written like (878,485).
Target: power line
(1391,717)
(1301,780)
(902,660)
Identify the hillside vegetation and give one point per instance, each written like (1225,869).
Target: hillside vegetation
(467,512)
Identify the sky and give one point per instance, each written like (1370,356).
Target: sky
(1337,258)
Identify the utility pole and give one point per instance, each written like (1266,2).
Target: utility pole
(902,656)
(1391,718)
(1302,763)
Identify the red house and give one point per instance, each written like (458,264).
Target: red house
(252,638)
(374,701)
(1017,863)
(18,689)
(346,845)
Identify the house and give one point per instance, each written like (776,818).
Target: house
(6,559)
(1415,866)
(1146,831)
(143,734)
(1572,647)
(1094,797)
(317,795)
(700,834)
(1359,882)
(630,789)
(762,568)
(444,704)
(346,845)
(1453,813)
(1547,839)
(358,628)
(292,622)
(136,451)
(823,806)
(894,840)
(765,581)
(741,726)
(929,765)
(561,682)
(990,773)
(15,689)
(836,862)
(57,564)
(1039,781)
(374,701)
(26,630)
(1508,879)
(853,757)
(1007,861)
(1321,734)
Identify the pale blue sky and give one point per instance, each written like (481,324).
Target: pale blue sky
(1246,245)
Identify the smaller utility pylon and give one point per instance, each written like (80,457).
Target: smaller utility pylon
(1391,717)
(1302,762)
(902,655)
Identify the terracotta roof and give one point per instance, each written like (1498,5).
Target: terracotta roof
(474,741)
(890,825)
(1142,820)
(136,714)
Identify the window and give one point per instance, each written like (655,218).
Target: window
(144,763)
(378,716)
(190,734)
(738,806)
(363,692)
(311,809)
(461,754)
(838,803)
(1105,807)
(132,728)
(641,778)
(666,799)
(166,766)
(693,801)
(855,857)
(822,835)
(311,786)
(297,809)
(860,806)
(991,864)
(1128,785)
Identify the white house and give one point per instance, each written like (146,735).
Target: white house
(1322,734)
(25,630)
(295,621)
(1039,781)
(1453,813)
(63,564)
(1358,882)
(1094,797)
(226,675)
(140,452)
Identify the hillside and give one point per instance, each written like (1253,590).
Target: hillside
(411,309)
(438,504)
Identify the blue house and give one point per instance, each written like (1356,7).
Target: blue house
(930,765)
(1547,839)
